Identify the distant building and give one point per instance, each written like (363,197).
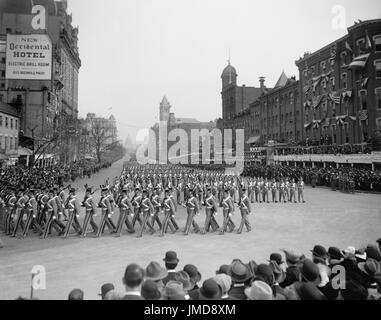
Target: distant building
(9,131)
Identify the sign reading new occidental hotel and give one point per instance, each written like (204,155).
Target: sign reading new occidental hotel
(29,57)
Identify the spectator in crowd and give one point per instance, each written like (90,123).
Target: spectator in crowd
(195,277)
(209,290)
(174,290)
(171,262)
(241,277)
(133,280)
(76,294)
(259,290)
(225,283)
(107,288)
(184,278)
(150,290)
(157,273)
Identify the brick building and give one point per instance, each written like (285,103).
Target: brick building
(44,105)
(341,87)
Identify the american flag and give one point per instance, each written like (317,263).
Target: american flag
(363,115)
(335,98)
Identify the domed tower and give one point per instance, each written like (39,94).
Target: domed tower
(229,76)
(165,109)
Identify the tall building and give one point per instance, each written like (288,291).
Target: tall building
(45,106)
(341,85)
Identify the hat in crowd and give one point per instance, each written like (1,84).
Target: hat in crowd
(174,290)
(76,294)
(373,252)
(349,251)
(137,189)
(292,257)
(104,188)
(259,290)
(155,271)
(335,253)
(354,291)
(72,190)
(239,272)
(265,272)
(184,278)
(361,254)
(210,290)
(224,282)
(379,241)
(193,273)
(171,257)
(277,257)
(309,291)
(106,288)
(309,270)
(279,274)
(371,267)
(150,290)
(89,190)
(133,273)
(320,252)
(224,269)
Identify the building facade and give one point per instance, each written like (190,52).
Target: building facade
(46,107)
(341,87)
(9,131)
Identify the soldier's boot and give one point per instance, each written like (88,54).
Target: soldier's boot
(214,224)
(188,224)
(240,229)
(101,226)
(145,220)
(130,228)
(17,225)
(85,225)
(77,226)
(224,225)
(27,225)
(231,225)
(165,225)
(47,228)
(195,225)
(93,225)
(121,220)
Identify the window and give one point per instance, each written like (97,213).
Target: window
(11,123)
(322,65)
(16,143)
(3,73)
(291,98)
(305,73)
(377,64)
(378,98)
(16,124)
(291,119)
(377,43)
(6,143)
(3,60)
(378,124)
(10,143)
(344,81)
(8,30)
(332,82)
(1,98)
(343,58)
(1,121)
(1,142)
(363,102)
(6,122)
(360,44)
(324,84)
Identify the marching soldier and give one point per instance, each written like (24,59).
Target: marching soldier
(136,202)
(156,205)
(172,219)
(301,190)
(10,208)
(282,192)
(193,209)
(52,219)
(210,210)
(147,210)
(274,188)
(125,207)
(74,210)
(169,211)
(91,211)
(107,213)
(228,210)
(31,209)
(20,212)
(293,191)
(245,207)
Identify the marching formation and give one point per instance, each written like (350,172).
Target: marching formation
(144,198)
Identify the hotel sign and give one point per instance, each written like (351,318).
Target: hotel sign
(28,57)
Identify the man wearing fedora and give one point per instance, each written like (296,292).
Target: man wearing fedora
(150,290)
(106,289)
(319,256)
(174,291)
(133,280)
(184,278)
(292,270)
(259,290)
(171,262)
(244,205)
(224,282)
(157,273)
(195,278)
(241,277)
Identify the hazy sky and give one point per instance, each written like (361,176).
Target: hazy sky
(135,52)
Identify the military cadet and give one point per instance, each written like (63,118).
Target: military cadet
(52,216)
(282,193)
(10,208)
(74,210)
(91,211)
(245,208)
(147,211)
(172,219)
(20,211)
(157,207)
(126,209)
(228,211)
(169,211)
(293,190)
(62,199)
(193,209)
(136,202)
(251,190)
(31,221)
(42,201)
(265,191)
(274,188)
(301,190)
(257,184)
(210,210)
(107,212)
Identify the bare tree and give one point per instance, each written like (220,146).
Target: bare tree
(99,137)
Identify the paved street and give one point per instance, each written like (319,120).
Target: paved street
(328,218)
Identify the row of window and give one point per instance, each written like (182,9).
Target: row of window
(9,122)
(9,143)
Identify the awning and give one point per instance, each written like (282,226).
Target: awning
(359,62)
(253,140)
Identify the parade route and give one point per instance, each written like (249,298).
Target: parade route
(328,218)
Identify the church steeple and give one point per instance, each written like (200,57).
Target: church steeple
(165,109)
(229,76)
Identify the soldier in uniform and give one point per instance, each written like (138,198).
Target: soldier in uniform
(20,211)
(257,184)
(274,188)
(210,210)
(169,211)
(107,212)
(125,207)
(193,209)
(245,207)
(10,207)
(157,207)
(74,209)
(147,210)
(52,218)
(91,211)
(228,210)
(31,209)
(136,202)
(293,191)
(301,190)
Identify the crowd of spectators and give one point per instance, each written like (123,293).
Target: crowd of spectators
(326,149)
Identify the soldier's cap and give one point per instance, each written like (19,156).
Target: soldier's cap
(137,189)
(209,189)
(89,190)
(104,189)
(32,190)
(72,190)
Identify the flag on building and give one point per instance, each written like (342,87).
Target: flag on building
(348,47)
(359,62)
(335,97)
(368,42)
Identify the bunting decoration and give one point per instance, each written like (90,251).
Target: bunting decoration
(359,62)
(364,83)
(335,97)
(347,95)
(307,125)
(316,82)
(316,101)
(315,124)
(325,122)
(333,53)
(340,120)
